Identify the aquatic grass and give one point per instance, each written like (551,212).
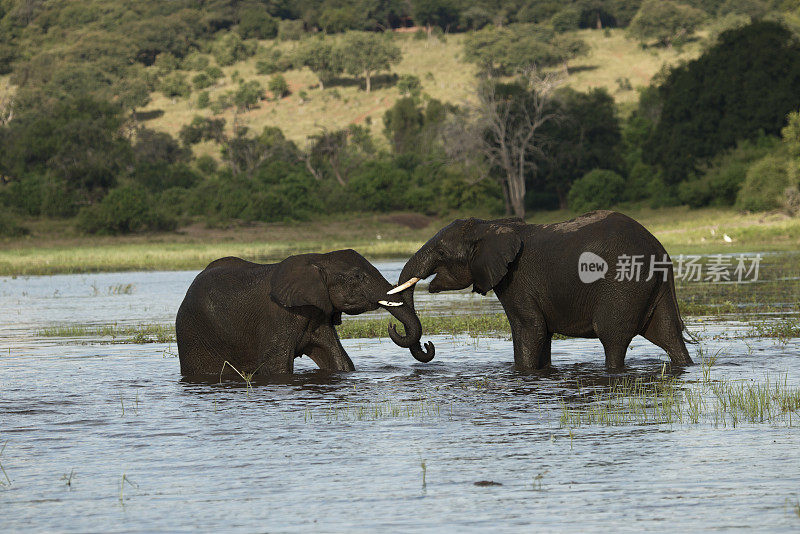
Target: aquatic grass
(67,478)
(122,487)
(781,329)
(247,377)
(537,480)
(121,289)
(479,324)
(665,400)
(386,408)
(139,333)
(3,469)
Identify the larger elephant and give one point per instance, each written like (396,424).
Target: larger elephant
(535,271)
(260,317)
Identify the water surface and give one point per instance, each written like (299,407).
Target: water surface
(345,452)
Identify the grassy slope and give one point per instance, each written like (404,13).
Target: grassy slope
(444,76)
(680,229)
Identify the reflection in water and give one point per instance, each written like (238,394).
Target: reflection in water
(344,451)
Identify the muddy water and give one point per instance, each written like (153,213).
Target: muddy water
(343,453)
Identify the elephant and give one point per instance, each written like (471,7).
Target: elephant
(550,279)
(260,317)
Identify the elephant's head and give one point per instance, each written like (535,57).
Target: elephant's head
(465,252)
(343,281)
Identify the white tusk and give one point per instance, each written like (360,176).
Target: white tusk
(398,289)
(388,303)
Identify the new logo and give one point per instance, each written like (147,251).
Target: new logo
(591,267)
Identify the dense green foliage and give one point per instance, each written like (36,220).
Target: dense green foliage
(665,21)
(743,86)
(597,189)
(72,143)
(515,48)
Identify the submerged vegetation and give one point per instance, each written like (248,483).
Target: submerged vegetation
(668,400)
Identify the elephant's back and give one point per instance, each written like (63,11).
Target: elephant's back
(229,290)
(598,231)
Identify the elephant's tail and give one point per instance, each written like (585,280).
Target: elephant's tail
(692,339)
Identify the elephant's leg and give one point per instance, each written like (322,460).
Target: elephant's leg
(616,327)
(545,358)
(326,350)
(278,363)
(531,340)
(664,330)
(615,349)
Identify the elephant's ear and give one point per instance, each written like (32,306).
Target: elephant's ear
(496,247)
(299,282)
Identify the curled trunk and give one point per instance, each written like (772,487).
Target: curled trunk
(408,316)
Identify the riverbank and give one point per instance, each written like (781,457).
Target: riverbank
(54,248)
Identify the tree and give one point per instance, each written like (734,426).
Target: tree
(362,53)
(429,13)
(415,129)
(505,129)
(341,151)
(256,23)
(278,86)
(586,138)
(708,104)
(248,95)
(665,21)
(517,48)
(318,55)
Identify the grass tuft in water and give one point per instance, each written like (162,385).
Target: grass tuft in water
(8,480)
(67,478)
(666,401)
(122,487)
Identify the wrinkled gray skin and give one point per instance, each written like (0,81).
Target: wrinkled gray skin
(533,270)
(259,318)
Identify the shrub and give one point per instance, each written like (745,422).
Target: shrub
(566,20)
(381,186)
(10,227)
(174,200)
(724,174)
(203,100)
(124,210)
(765,184)
(175,85)
(665,21)
(272,61)
(409,85)
(290,30)
(195,61)
(230,48)
(214,72)
(166,62)
(202,81)
(595,190)
(248,94)
(206,164)
(278,86)
(256,23)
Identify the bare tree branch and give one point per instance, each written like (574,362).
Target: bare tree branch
(504,131)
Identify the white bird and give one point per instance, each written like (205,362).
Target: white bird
(727,238)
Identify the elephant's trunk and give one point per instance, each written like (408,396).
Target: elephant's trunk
(408,316)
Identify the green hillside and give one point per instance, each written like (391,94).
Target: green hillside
(613,59)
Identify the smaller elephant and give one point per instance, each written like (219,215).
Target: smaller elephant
(260,317)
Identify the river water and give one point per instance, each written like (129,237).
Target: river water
(106,437)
